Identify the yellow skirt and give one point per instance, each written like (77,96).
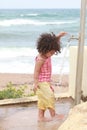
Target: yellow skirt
(45,95)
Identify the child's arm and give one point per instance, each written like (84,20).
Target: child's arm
(38,65)
(61,34)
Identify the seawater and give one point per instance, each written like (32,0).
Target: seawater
(20,29)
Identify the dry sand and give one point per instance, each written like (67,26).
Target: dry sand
(27,79)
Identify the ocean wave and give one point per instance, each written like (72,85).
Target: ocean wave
(21,60)
(32,14)
(16,52)
(25,52)
(14,22)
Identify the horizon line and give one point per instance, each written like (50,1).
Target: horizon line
(39,8)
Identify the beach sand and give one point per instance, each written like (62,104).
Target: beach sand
(27,79)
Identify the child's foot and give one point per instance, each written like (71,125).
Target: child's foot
(44,119)
(59,116)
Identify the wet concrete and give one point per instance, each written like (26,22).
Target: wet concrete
(24,117)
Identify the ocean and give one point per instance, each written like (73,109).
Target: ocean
(20,29)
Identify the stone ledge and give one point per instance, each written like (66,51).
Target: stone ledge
(29,99)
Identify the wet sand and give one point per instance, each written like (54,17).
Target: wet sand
(24,116)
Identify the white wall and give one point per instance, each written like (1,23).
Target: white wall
(72,75)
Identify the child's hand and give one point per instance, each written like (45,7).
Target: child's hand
(61,34)
(52,88)
(35,88)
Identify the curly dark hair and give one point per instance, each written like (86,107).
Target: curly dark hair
(47,42)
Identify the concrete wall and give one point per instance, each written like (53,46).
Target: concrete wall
(72,75)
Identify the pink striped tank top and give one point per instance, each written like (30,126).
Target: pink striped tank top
(45,72)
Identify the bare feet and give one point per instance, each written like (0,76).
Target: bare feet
(59,116)
(45,119)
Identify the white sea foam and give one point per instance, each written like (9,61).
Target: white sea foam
(32,14)
(32,22)
(16,52)
(22,60)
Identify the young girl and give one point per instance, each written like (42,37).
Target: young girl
(47,45)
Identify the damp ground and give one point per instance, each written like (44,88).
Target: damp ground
(24,116)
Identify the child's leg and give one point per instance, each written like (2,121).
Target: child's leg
(52,112)
(41,116)
(55,115)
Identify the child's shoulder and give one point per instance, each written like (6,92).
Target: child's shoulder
(40,58)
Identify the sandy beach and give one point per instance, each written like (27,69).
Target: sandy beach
(27,79)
